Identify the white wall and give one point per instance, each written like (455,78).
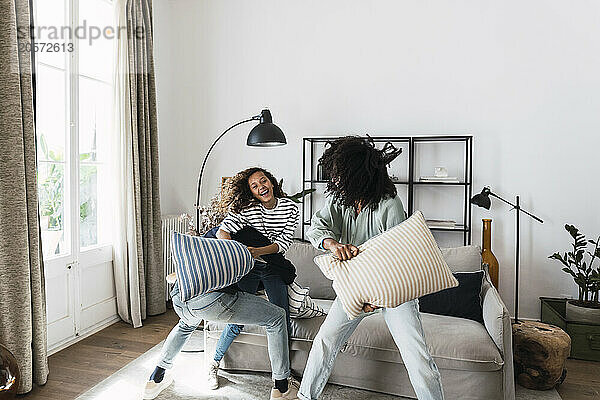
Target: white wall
(522,77)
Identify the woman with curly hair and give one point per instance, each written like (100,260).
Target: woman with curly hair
(262,218)
(363,203)
(256,201)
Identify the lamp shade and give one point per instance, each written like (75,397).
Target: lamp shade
(482,199)
(266,133)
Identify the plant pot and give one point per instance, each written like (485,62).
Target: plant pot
(578,313)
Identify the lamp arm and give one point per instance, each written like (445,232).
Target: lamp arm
(518,208)
(199,186)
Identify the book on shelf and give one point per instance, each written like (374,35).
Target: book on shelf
(447,179)
(441,223)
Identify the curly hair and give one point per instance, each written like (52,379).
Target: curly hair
(358,171)
(237,194)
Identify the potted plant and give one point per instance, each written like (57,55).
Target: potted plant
(575,263)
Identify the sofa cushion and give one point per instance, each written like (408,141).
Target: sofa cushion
(301,304)
(399,265)
(455,343)
(462,301)
(301,254)
(463,258)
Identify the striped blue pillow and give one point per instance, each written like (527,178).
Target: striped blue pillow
(204,265)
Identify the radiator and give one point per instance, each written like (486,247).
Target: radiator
(170,223)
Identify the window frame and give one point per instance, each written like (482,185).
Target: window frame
(71,163)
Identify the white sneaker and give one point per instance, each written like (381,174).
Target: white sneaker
(212,378)
(153,389)
(291,394)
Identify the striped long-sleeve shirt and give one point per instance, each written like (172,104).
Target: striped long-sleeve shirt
(277,224)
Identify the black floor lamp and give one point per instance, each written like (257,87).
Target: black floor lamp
(483,200)
(265,134)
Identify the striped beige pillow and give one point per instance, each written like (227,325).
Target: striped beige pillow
(394,267)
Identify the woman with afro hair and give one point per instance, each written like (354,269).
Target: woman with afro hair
(363,203)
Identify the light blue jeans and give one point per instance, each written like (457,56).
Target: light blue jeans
(276,290)
(240,308)
(404,323)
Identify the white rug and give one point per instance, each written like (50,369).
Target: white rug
(129,381)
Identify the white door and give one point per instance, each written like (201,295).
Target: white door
(73,123)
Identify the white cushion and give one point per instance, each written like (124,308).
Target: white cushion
(396,266)
(300,303)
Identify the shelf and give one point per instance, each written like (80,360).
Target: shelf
(432,139)
(457,228)
(415,145)
(395,183)
(442,183)
(377,139)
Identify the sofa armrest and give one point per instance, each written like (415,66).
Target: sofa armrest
(498,324)
(494,314)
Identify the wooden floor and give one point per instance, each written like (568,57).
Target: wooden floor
(583,381)
(83,365)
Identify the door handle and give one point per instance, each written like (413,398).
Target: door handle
(69,266)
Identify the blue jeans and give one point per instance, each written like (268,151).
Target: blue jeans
(404,323)
(241,308)
(277,292)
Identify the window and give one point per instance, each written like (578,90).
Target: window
(74,88)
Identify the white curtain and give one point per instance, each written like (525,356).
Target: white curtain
(126,241)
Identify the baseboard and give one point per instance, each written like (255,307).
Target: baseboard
(84,334)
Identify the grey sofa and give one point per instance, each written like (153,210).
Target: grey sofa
(475,360)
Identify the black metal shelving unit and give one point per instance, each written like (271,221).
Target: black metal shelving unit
(310,182)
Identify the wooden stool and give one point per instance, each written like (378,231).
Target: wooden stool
(540,352)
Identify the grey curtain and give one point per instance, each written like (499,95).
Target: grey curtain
(145,157)
(22,296)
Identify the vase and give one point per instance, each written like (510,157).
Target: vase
(486,255)
(10,376)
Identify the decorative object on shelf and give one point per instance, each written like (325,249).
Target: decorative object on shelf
(439,179)
(265,134)
(321,174)
(540,353)
(10,375)
(587,307)
(406,181)
(483,200)
(440,172)
(486,254)
(585,336)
